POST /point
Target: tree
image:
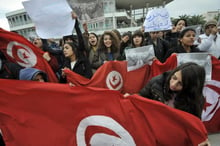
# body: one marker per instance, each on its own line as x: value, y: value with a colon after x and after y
x: 197, y: 19
x: 186, y: 17
x: 217, y: 17
x: 191, y: 20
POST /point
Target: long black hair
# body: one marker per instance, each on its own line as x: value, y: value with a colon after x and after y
x: 190, y: 98
x: 74, y: 47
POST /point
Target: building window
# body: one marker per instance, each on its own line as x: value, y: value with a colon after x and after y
x: 21, y: 20
x: 25, y: 18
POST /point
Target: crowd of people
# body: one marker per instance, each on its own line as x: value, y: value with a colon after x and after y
x: 85, y: 52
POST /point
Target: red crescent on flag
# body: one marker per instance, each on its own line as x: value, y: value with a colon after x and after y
x: 15, y: 53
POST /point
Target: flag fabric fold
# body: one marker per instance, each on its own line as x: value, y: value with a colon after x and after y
x: 47, y: 114
x: 135, y: 80
x: 211, y: 111
x: 113, y: 75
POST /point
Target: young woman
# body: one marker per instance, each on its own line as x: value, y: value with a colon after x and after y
x: 108, y: 46
x: 75, y: 61
x: 186, y: 43
x: 49, y: 54
x: 93, y: 52
x: 137, y: 40
x: 180, y: 88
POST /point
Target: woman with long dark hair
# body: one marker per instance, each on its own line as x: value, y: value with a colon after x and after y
x: 180, y: 88
x: 75, y: 61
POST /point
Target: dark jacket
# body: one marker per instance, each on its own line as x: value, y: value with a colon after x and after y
x: 10, y: 70
x: 180, y: 49
x: 172, y: 39
x: 160, y: 48
x: 155, y: 88
x: 2, y: 143
x: 81, y: 67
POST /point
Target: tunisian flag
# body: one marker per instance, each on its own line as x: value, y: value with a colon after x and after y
x: 211, y: 91
x: 113, y: 75
x: 48, y: 114
x: 135, y: 80
x: 19, y: 50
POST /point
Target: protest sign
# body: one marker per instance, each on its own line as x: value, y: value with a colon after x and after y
x: 157, y: 19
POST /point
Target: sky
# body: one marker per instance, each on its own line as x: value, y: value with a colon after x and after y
x: 175, y: 8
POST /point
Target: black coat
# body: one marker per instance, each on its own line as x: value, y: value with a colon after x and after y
x: 180, y: 49
x: 160, y: 49
x: 81, y: 67
x: 155, y: 88
x: 10, y: 70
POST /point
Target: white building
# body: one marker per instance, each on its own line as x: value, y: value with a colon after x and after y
x: 124, y: 15
x: 210, y: 15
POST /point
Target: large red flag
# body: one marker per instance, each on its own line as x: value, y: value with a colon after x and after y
x: 113, y: 75
x: 19, y: 50
x: 46, y: 114
x: 211, y: 112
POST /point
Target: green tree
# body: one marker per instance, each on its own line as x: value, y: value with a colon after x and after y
x: 186, y: 17
x: 217, y: 17
x: 191, y: 20
x: 197, y: 19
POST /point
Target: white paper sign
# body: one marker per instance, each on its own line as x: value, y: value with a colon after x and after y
x: 203, y: 59
x: 157, y: 19
x: 138, y: 57
x: 52, y: 18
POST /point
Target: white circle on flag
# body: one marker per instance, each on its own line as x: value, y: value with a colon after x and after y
x: 212, y: 98
x: 22, y: 54
x: 114, y: 80
x: 101, y: 138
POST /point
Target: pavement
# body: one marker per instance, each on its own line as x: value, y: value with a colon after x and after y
x: 214, y: 139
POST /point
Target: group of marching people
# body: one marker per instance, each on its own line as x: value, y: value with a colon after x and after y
x: 85, y: 52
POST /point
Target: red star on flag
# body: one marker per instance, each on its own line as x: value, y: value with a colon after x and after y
x: 114, y: 78
x: 25, y: 56
x: 206, y: 104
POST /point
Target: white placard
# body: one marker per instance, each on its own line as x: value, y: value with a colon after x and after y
x: 52, y: 18
x: 138, y: 57
x: 157, y: 19
x: 203, y: 59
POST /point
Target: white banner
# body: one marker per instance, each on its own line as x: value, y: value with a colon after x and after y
x: 157, y: 19
x: 52, y: 18
x: 203, y: 59
x: 138, y: 57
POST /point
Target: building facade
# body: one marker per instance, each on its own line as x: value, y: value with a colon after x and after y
x: 20, y: 22
x: 123, y: 15
x: 211, y: 15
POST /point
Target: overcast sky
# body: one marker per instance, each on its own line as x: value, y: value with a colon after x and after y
x: 175, y: 8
